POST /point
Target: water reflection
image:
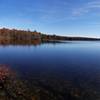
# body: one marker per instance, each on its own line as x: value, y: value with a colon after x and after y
x: 61, y: 72
x: 34, y: 42
x: 20, y: 42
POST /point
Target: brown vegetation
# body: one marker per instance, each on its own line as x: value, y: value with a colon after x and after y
x: 10, y: 36
x: 13, y: 36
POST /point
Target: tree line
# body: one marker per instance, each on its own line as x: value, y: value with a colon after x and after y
x: 22, y: 35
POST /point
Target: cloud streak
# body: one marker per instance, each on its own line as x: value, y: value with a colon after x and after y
x: 86, y: 8
x: 67, y: 10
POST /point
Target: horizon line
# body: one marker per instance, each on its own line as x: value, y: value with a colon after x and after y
x: 28, y: 29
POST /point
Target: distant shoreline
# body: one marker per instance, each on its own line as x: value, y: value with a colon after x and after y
x: 22, y: 35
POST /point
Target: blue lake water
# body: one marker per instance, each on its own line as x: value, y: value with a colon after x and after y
x: 75, y: 62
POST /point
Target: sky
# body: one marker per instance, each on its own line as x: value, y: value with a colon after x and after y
x: 61, y: 17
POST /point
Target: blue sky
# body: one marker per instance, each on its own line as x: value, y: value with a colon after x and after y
x: 62, y: 17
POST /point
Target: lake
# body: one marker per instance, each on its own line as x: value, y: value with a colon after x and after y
x: 57, y: 71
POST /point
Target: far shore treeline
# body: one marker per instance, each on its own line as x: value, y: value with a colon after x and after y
x: 8, y: 35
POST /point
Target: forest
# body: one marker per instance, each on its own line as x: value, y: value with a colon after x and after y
x: 9, y: 35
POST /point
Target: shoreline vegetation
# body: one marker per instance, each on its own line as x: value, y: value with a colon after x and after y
x: 14, y: 36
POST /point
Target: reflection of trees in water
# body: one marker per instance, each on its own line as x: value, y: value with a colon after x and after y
x: 20, y: 42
